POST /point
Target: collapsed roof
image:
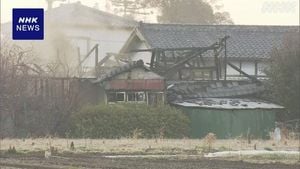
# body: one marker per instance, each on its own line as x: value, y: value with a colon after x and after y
x: 212, y: 89
x: 227, y: 103
x: 115, y: 71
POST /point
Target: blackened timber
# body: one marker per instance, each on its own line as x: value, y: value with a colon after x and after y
x: 164, y: 58
x: 200, y: 68
x: 90, y: 52
x: 173, y: 55
x: 195, y: 53
x: 175, y: 49
x: 158, y: 54
x: 198, y: 61
x: 225, y: 59
x: 182, y: 62
x: 96, y: 55
x: 256, y: 68
x: 253, y: 78
x: 108, y: 55
x: 152, y: 58
x: 202, y: 59
x: 216, y: 64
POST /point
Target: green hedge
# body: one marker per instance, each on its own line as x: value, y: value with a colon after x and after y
x: 127, y: 120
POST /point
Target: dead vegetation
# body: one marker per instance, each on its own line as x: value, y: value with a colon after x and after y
x: 140, y: 153
x: 142, y: 146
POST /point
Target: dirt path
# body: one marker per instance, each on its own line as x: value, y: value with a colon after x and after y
x: 99, y: 162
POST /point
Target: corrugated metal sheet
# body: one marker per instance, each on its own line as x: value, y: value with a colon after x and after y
x: 136, y: 85
x: 230, y: 123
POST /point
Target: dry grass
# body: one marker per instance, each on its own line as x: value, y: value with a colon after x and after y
x: 151, y: 146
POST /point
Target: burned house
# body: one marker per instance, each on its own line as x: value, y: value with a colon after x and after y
x: 131, y: 83
x: 247, y: 48
x: 214, y: 73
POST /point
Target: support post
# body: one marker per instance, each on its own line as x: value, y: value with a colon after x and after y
x: 152, y: 59
x: 216, y: 64
x: 225, y: 59
x: 256, y: 68
x: 96, y: 55
x: 164, y: 58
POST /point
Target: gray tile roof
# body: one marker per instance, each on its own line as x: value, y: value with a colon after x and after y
x: 244, y: 42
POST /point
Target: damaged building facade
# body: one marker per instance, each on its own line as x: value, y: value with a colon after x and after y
x: 245, y: 47
x: 213, y: 73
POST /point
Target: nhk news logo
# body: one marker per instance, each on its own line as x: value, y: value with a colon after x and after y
x: 28, y: 24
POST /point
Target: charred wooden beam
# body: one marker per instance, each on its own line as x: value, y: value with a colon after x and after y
x: 164, y: 58
x: 253, y: 78
x: 108, y: 55
x: 225, y: 59
x: 175, y: 67
x: 96, y: 55
x: 202, y: 60
x: 172, y: 49
x: 95, y: 48
x: 152, y: 59
x: 216, y: 64
x: 200, y: 68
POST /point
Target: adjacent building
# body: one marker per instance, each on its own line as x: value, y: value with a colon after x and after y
x: 74, y: 29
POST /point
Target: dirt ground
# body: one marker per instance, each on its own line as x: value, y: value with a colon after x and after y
x: 37, y: 161
x: 147, y: 154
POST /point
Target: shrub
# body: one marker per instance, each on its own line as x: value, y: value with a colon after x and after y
x: 122, y: 120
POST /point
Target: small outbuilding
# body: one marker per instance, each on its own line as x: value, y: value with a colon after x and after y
x: 230, y: 118
x: 227, y: 109
x: 132, y: 82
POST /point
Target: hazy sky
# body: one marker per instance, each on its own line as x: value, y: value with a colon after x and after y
x: 245, y: 12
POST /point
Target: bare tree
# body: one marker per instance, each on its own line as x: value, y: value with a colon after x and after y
x: 33, y: 101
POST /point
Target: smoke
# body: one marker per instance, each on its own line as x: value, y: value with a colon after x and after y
x: 56, y: 52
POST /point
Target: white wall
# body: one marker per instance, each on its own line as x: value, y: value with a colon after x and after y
x: 109, y: 39
x: 231, y: 71
x: 145, y: 56
x: 261, y: 67
x: 248, y: 67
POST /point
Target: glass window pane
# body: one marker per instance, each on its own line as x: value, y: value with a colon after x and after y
x: 120, y: 97
x: 131, y: 97
x: 140, y: 96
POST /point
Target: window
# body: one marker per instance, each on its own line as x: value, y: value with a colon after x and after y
x: 116, y: 97
x: 120, y: 97
x: 140, y: 96
x: 136, y: 97
x: 131, y: 97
